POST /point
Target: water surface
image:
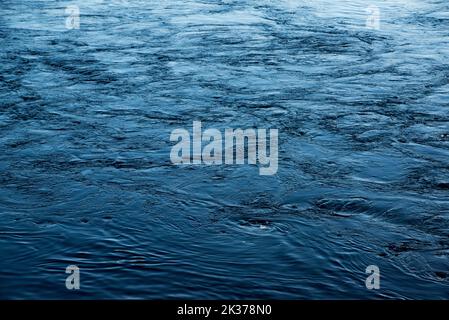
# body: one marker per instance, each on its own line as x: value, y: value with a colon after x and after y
x: 86, y: 177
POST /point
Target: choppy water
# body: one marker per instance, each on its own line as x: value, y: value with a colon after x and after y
x: 86, y: 177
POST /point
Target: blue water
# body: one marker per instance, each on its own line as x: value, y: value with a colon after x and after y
x: 85, y: 171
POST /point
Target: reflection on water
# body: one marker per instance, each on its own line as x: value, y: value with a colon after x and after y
x: 86, y: 177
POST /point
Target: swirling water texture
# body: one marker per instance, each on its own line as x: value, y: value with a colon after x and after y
x: 86, y: 178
